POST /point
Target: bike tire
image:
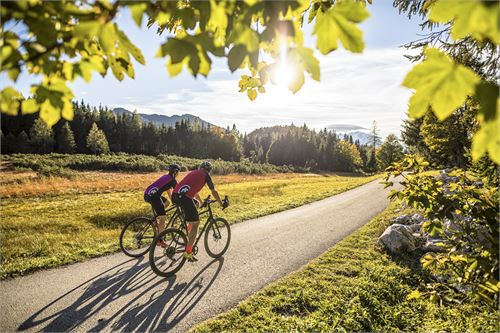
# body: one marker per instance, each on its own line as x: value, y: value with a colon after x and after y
x: 220, y: 231
x: 141, y: 226
x: 176, y: 242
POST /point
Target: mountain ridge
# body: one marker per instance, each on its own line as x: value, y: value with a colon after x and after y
x: 169, y: 121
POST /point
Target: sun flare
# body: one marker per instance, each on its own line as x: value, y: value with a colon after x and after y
x: 283, y: 73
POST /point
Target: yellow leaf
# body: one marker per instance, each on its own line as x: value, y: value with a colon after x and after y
x: 439, y: 83
x: 252, y: 94
x: 469, y: 18
x: 29, y: 106
x: 338, y: 23
x: 49, y: 114
x: 67, y: 111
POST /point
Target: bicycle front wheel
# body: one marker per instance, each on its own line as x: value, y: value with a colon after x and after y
x: 166, y: 260
x: 137, y: 236
x: 217, y: 237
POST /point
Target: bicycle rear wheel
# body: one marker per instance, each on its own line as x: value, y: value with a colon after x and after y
x: 166, y: 261
x: 137, y: 236
x: 217, y: 237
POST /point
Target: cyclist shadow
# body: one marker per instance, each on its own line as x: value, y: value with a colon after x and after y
x: 165, y: 308
x: 102, y: 290
x: 98, y: 292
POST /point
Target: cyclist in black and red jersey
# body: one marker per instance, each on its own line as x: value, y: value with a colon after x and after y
x: 153, y: 195
x: 186, y: 195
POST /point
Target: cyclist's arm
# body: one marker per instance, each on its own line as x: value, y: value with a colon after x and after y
x: 198, y: 198
x: 169, y: 192
x: 211, y: 186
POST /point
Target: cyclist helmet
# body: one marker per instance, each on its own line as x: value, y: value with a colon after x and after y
x: 174, y: 168
x: 206, y: 165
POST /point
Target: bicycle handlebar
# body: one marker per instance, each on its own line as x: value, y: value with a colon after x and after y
x: 208, y: 201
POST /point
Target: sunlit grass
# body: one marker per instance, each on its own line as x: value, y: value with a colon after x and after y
x: 353, y: 287
x: 42, y: 232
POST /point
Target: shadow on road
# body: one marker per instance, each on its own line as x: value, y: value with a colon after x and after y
x: 153, y: 306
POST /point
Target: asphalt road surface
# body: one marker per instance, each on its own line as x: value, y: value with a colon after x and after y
x: 117, y: 293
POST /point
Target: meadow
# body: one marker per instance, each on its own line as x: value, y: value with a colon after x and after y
x: 64, y: 222
x: 355, y: 286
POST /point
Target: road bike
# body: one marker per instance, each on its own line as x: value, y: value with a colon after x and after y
x: 216, y: 233
x: 138, y: 234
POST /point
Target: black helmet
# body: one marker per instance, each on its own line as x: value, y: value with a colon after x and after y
x: 206, y: 165
x: 174, y: 168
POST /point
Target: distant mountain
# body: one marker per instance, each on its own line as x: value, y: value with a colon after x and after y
x: 343, y: 128
x: 357, y: 132
x: 168, y: 121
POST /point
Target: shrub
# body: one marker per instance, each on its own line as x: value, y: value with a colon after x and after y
x: 463, y: 211
x: 137, y: 163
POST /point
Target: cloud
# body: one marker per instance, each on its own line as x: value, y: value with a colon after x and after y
x: 354, y: 89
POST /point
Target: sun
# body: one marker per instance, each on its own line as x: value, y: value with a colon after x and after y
x: 283, y: 73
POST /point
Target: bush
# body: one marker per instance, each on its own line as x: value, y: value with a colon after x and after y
x: 463, y: 211
x: 136, y: 163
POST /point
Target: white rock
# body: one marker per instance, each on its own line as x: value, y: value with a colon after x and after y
x: 397, y: 238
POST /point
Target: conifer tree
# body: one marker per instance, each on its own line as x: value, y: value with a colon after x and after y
x: 41, y: 138
x: 390, y: 151
x: 96, y: 141
x: 23, y: 144
x: 66, y: 140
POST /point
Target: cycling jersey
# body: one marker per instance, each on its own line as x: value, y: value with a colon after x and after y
x: 193, y: 182
x: 162, y: 184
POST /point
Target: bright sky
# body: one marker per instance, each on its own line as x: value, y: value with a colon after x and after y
x: 354, y: 89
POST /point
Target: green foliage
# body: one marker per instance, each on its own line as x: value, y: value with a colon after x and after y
x: 440, y: 83
x: 463, y: 211
x: 66, y: 140
x: 41, y: 137
x: 391, y: 151
x: 470, y: 18
x: 352, y: 287
x: 96, y: 141
x: 444, y: 143
x: 347, y: 157
x: 136, y: 163
x: 339, y: 23
x: 444, y: 83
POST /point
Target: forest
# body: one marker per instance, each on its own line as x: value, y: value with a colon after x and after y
x: 98, y: 130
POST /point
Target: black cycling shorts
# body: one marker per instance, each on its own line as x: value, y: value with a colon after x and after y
x: 157, y: 202
x: 187, y: 206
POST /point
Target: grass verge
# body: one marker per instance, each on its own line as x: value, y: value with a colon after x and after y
x: 43, y: 232
x: 354, y: 286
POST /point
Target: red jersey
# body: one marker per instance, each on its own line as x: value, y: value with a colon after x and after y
x: 193, y: 182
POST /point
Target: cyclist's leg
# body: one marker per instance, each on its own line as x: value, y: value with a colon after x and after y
x: 159, y: 209
x: 192, y: 220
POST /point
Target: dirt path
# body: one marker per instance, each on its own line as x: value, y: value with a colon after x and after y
x: 116, y: 293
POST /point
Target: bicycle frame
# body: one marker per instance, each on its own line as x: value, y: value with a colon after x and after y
x: 170, y: 223
x: 200, y: 233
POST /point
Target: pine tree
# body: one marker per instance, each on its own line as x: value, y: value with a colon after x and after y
x: 23, y: 144
x: 41, y: 138
x: 390, y: 151
x: 66, y: 140
x: 374, y: 131
x: 96, y: 141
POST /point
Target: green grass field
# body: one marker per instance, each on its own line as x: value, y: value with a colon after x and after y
x: 43, y: 232
x: 355, y: 287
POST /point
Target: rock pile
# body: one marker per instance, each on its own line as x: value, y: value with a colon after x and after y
x: 405, y: 234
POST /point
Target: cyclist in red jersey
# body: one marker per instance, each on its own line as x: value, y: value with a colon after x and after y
x: 186, y: 195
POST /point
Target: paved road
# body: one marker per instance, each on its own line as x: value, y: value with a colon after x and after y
x: 116, y: 293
